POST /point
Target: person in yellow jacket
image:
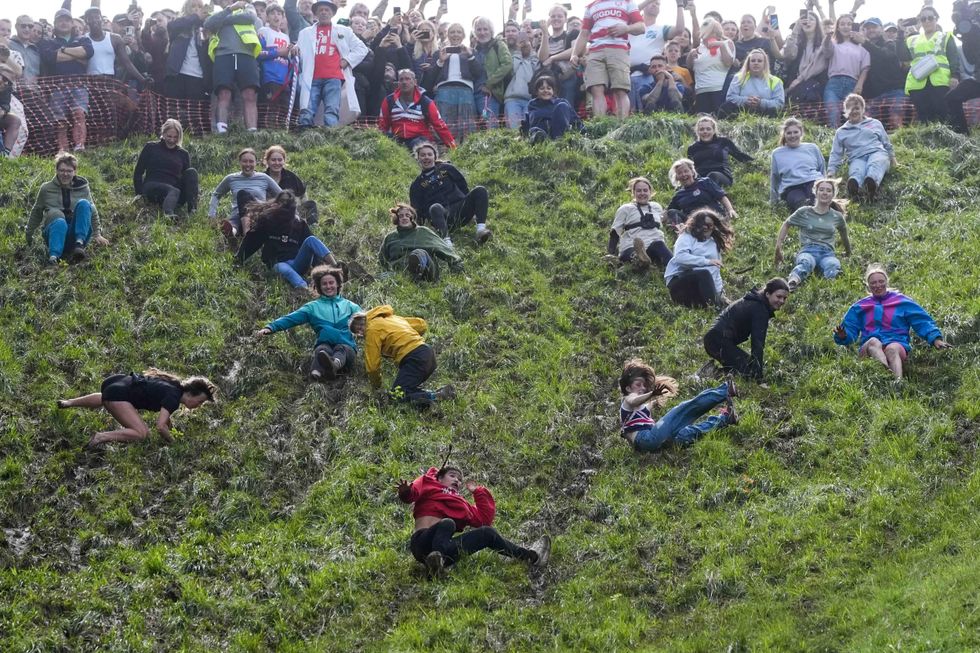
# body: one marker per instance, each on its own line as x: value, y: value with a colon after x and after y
x: 400, y: 339
x: 234, y: 49
x: 934, y: 69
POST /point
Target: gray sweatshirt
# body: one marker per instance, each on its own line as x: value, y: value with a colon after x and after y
x: 524, y: 70
x: 858, y: 140
x: 791, y: 166
x: 223, y: 24
x: 259, y: 185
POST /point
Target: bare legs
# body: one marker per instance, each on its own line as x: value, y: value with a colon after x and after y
x: 891, y: 356
x: 599, y: 106
x: 125, y: 413
x: 250, y: 108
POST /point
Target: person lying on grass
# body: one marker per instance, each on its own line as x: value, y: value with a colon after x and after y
x: 124, y: 395
x: 400, y: 339
x: 329, y: 317
x: 415, y: 248
x: 642, y: 390
x: 441, y: 512
x: 637, y: 230
x: 818, y: 225
x: 882, y: 321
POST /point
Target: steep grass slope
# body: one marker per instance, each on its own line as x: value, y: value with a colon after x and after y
x: 841, y: 514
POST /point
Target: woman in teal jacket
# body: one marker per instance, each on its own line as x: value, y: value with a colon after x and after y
x: 329, y: 316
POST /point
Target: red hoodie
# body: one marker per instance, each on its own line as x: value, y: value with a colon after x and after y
x: 433, y: 499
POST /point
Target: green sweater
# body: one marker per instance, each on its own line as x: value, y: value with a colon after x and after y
x: 49, y: 205
x: 499, y: 64
x: 399, y: 243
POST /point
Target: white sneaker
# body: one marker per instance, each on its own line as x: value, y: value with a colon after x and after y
x: 448, y: 241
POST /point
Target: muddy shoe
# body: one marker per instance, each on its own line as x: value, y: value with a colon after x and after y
x: 434, y: 564
x: 543, y: 548
x: 324, y: 360
x: 729, y: 413
x: 78, y: 253
x: 640, y: 257
x: 445, y: 393
x: 730, y: 383
x: 707, y: 371
x: 853, y: 189
x: 483, y: 236
x: 871, y: 188
x: 793, y: 282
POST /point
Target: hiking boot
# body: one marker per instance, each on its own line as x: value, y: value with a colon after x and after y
x: 853, y: 189
x: 445, y: 393
x: 729, y: 413
x: 707, y: 371
x: 871, y: 188
x: 78, y: 253
x: 543, y: 548
x: 53, y: 261
x: 483, y: 236
x: 324, y: 360
x: 434, y: 564
x: 793, y: 282
x: 417, y: 265
x: 640, y: 256
x: 730, y: 383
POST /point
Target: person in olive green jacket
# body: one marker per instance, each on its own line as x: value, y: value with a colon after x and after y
x: 66, y: 213
x: 416, y: 248
x: 498, y: 64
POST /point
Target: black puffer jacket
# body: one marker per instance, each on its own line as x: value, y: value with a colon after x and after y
x: 748, y: 317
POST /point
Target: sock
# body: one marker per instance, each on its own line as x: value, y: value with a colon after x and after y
x: 222, y: 127
x: 481, y: 227
x: 253, y: 129
x: 448, y: 241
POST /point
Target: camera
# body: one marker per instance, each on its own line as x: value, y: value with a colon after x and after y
x: 648, y: 221
x: 965, y: 18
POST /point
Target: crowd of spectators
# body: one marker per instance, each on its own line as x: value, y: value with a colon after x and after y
x: 302, y: 58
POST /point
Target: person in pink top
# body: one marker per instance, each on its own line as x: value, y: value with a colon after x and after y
x: 441, y: 511
x: 606, y: 29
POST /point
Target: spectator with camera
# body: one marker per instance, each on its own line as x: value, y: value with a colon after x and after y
x: 517, y: 97
x: 805, y: 67
x: 934, y: 67
x: 155, y: 41
x: 966, y: 22
x: 390, y: 56
x: 454, y: 79
x: 710, y: 63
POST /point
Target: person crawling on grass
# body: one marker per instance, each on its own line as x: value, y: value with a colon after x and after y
x: 637, y: 230
x: 329, y: 316
x: 288, y: 246
x: 66, y: 213
x: 882, y: 322
x: 415, y: 248
x: 441, y: 196
x: 441, y: 512
x: 747, y: 318
x: 818, y: 225
x: 400, y: 339
x: 245, y: 187
x: 124, y: 395
x: 643, y: 390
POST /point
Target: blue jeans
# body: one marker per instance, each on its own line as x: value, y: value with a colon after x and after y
x: 310, y: 251
x: 487, y: 107
x: 56, y: 233
x: 874, y: 166
x: 640, y: 83
x: 514, y: 110
x: 837, y: 88
x: 569, y: 90
x: 328, y: 92
x: 818, y: 257
x: 678, y: 424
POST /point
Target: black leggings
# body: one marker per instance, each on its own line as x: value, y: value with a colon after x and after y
x: 475, y: 204
x: 341, y: 352
x: 170, y: 197
x: 732, y: 357
x: 930, y: 103
x: 965, y: 90
x: 693, y: 288
x: 799, y: 195
x: 658, y: 252
x: 413, y: 371
x: 720, y: 178
x: 440, y: 537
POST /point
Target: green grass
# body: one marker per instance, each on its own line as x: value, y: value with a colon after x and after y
x: 840, y: 515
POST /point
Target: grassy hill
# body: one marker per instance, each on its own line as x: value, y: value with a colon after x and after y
x: 839, y: 515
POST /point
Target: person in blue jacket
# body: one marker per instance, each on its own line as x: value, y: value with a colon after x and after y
x: 548, y: 116
x: 881, y: 323
x: 328, y: 315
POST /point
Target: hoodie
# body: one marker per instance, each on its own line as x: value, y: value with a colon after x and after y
x: 399, y: 244
x: 887, y: 318
x: 52, y: 200
x: 748, y: 317
x: 328, y: 316
x: 390, y: 336
x: 433, y: 499
x: 857, y: 141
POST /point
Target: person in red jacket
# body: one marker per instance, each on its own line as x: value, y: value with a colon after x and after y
x: 409, y: 115
x: 440, y: 512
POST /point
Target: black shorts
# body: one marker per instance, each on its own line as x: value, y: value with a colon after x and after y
x: 235, y: 71
x: 117, y: 387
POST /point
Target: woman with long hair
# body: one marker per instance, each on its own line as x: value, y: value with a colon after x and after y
x: 711, y: 151
x: 806, y: 69
x: 124, y: 395
x: 693, y: 274
x: 425, y: 51
x: 848, y: 63
x: 794, y: 166
x: 275, y: 160
x: 819, y: 225
x: 754, y: 88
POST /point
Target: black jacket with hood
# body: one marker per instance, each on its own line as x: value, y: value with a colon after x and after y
x: 748, y: 317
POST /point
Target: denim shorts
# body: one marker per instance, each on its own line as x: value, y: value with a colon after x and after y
x: 66, y: 100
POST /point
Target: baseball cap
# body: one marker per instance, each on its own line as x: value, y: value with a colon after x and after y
x: 873, y: 21
x: 62, y: 13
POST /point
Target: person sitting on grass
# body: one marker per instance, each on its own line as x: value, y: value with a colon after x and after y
x: 694, y: 192
x: 865, y: 144
x: 637, y: 230
x: 163, y: 173
x: 710, y: 152
x: 123, y: 395
x: 818, y: 225
x: 400, y: 339
x: 288, y: 246
x: 643, y: 390
x: 245, y: 187
x: 794, y: 166
x: 748, y: 317
x: 329, y: 316
x: 274, y: 159
x: 66, y: 214
x: 881, y: 323
x: 693, y: 274
x: 754, y: 89
x: 441, y: 195
x: 414, y: 248
x: 548, y: 116
x: 440, y: 512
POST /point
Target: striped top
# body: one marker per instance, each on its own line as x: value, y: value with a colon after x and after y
x: 601, y: 15
x: 635, y: 419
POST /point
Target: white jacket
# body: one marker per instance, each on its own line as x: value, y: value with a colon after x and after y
x: 351, y: 49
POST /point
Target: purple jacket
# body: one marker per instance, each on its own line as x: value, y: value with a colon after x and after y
x: 888, y: 319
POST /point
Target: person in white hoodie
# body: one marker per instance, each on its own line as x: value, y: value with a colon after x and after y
x: 328, y: 54
x: 693, y: 274
x: 865, y: 144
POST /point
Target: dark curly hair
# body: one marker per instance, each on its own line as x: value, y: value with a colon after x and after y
x: 721, y: 232
x: 664, y: 387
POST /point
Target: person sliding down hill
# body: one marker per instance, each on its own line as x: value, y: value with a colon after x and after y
x: 414, y: 248
x: 440, y: 512
x: 637, y: 230
x: 400, y: 339
x: 328, y: 316
x: 441, y: 195
x: 123, y: 395
x: 642, y: 389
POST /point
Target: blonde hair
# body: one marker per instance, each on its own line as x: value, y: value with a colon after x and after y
x: 673, y: 171
x: 711, y: 27
x: 420, y: 48
x: 875, y: 268
x: 173, y: 123
x: 706, y: 118
x: 789, y: 122
x: 66, y: 157
x: 854, y: 98
x: 272, y: 149
x: 744, y: 73
x: 631, y: 184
